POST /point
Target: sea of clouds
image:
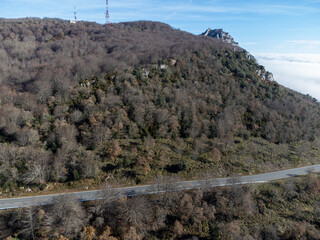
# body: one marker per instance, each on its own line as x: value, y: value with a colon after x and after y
x: 300, y: 72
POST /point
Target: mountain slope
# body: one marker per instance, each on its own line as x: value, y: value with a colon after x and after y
x: 132, y: 100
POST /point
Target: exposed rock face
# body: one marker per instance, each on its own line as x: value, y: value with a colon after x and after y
x: 226, y: 37
x: 265, y: 75
x: 220, y: 34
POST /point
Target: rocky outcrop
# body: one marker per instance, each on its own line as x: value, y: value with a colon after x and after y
x: 220, y: 34
x: 226, y: 37
x: 265, y: 75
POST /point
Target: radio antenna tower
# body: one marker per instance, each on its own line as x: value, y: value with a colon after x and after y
x: 107, y: 13
x: 75, y: 14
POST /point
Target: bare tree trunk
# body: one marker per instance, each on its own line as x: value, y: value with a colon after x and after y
x: 26, y: 221
x: 31, y: 221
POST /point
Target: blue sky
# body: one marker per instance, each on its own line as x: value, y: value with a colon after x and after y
x: 272, y: 30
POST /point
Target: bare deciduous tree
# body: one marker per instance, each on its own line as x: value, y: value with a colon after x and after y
x: 167, y: 188
x: 165, y: 184
x: 135, y: 212
x: 37, y: 169
x: 65, y: 216
x: 312, y: 183
x: 26, y: 221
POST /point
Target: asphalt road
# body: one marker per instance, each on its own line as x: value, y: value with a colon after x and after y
x: 157, y: 188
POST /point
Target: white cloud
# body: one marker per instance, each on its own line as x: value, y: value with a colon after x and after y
x: 304, y: 42
x: 298, y: 46
x: 300, y: 72
x: 238, y: 9
x: 248, y: 43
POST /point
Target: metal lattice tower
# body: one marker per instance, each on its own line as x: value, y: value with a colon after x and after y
x: 107, y: 13
x: 75, y: 14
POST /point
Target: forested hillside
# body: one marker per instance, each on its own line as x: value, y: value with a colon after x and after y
x: 133, y: 100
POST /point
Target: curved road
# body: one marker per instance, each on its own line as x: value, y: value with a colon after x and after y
x: 157, y: 188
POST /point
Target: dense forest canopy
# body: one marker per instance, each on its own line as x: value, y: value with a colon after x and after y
x: 80, y: 99
x: 33, y: 48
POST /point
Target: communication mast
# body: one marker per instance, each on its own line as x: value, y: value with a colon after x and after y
x: 75, y: 14
x: 107, y: 13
